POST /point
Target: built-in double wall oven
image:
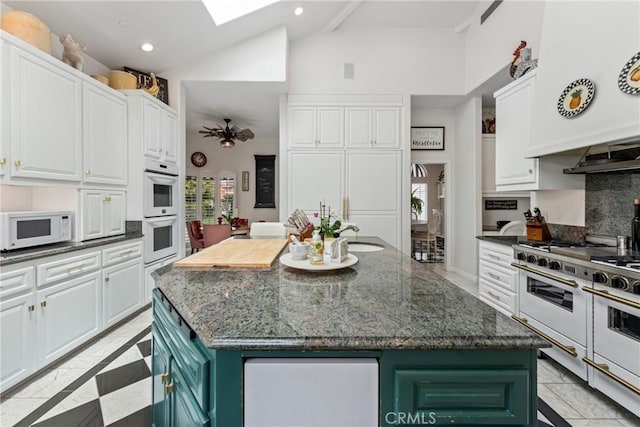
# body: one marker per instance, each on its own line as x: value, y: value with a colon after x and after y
x: 160, y: 201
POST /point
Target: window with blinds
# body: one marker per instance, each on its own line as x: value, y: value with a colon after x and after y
x: 190, y: 198
x: 420, y: 191
x: 208, y: 200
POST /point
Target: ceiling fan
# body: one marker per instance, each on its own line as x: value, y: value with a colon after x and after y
x: 228, y: 135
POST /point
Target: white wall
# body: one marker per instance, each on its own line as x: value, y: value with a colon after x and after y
x: 466, y: 187
x: 237, y: 159
x: 14, y: 198
x: 391, y: 61
x: 489, y: 47
x: 565, y: 207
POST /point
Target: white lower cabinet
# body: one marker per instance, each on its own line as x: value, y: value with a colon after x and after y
x: 149, y: 282
x: 68, y: 315
x: 50, y: 306
x: 17, y: 346
x: 121, y: 290
x: 497, y: 284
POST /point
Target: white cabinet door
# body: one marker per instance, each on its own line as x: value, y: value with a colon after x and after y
x: 153, y: 129
x: 122, y: 290
x: 103, y: 213
x: 92, y: 202
x: 358, y: 127
x: 115, y: 213
x: 373, y: 181
x: 5, y: 105
x: 17, y: 339
x: 105, y: 136
x: 46, y: 119
x: 386, y: 131
x: 68, y: 315
x: 513, y: 112
x: 171, y: 137
x: 377, y: 127
x: 316, y: 127
x: 314, y: 177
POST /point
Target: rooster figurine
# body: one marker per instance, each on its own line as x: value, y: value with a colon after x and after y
x: 154, y: 89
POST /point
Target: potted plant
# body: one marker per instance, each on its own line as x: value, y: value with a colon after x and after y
x: 416, y: 204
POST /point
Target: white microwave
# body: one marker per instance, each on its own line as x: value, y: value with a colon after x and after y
x: 26, y: 229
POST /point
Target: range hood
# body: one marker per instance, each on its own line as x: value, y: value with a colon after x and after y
x: 621, y: 160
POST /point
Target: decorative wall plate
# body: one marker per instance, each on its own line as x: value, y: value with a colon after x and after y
x: 629, y: 78
x: 576, y: 98
x: 198, y: 159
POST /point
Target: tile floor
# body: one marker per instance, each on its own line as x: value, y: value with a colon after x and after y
x: 109, y: 384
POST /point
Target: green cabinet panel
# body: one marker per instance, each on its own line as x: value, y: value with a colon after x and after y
x: 459, y: 396
x: 190, y: 354
x: 184, y: 408
x: 160, y: 375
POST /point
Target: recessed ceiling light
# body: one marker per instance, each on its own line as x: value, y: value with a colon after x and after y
x: 147, y: 47
x: 298, y: 11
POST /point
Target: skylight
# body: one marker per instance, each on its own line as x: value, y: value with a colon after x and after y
x: 223, y: 11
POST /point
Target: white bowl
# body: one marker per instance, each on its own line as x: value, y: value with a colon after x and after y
x: 299, y: 251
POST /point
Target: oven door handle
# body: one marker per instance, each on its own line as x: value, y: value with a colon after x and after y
x: 604, y: 368
x: 567, y: 348
x: 607, y: 295
x: 567, y: 282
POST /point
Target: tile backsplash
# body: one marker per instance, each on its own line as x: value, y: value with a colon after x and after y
x: 609, y: 202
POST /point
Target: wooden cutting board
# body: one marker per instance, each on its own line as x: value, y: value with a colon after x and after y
x: 248, y: 253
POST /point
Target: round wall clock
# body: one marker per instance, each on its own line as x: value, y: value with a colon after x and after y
x: 576, y: 98
x: 198, y: 159
x: 629, y: 78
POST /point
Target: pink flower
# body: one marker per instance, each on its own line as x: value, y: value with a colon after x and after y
x: 316, y: 215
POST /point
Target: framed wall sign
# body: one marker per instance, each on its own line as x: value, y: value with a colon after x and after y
x: 265, y: 181
x: 427, y: 138
x: 144, y: 81
x: 245, y: 180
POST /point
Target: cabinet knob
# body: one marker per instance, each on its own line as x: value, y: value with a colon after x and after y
x: 530, y: 171
x: 17, y: 163
x: 43, y: 304
x: 3, y: 160
x: 106, y: 279
x: 108, y: 198
x: 31, y: 307
x: 168, y: 388
x: 164, y: 377
x: 87, y: 172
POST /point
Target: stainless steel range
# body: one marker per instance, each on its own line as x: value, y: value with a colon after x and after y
x: 585, y: 299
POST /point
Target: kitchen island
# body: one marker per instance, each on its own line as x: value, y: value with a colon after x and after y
x: 444, y: 357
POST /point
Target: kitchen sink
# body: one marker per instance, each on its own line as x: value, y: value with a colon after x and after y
x: 364, y: 247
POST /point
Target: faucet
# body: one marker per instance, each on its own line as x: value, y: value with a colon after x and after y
x: 348, y: 227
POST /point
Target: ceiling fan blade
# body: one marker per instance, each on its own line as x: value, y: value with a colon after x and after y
x: 246, y: 133
x: 204, y: 131
x: 208, y: 136
x: 235, y: 129
x: 209, y: 129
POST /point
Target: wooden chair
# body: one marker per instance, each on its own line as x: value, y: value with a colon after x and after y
x: 196, y: 239
x: 215, y: 233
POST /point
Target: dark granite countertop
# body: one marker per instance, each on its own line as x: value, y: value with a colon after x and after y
x: 504, y: 240
x: 386, y: 301
x: 28, y: 254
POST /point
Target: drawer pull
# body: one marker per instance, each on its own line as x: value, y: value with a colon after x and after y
x: 168, y: 388
x: 164, y: 377
x: 605, y: 370
x: 497, y: 258
x: 567, y: 282
x: 567, y: 348
x: 494, y: 296
x: 125, y: 253
x: 607, y: 295
x: 78, y: 266
x: 495, y: 276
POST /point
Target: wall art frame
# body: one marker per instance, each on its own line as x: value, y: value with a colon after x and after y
x: 427, y: 138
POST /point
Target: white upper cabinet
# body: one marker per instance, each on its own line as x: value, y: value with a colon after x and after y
x: 377, y: 127
x: 592, y: 40
x: 5, y: 103
x: 515, y: 172
x: 315, y: 176
x: 105, y: 135
x: 513, y: 112
x: 153, y: 126
x: 103, y: 213
x: 45, y: 117
x: 316, y: 127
